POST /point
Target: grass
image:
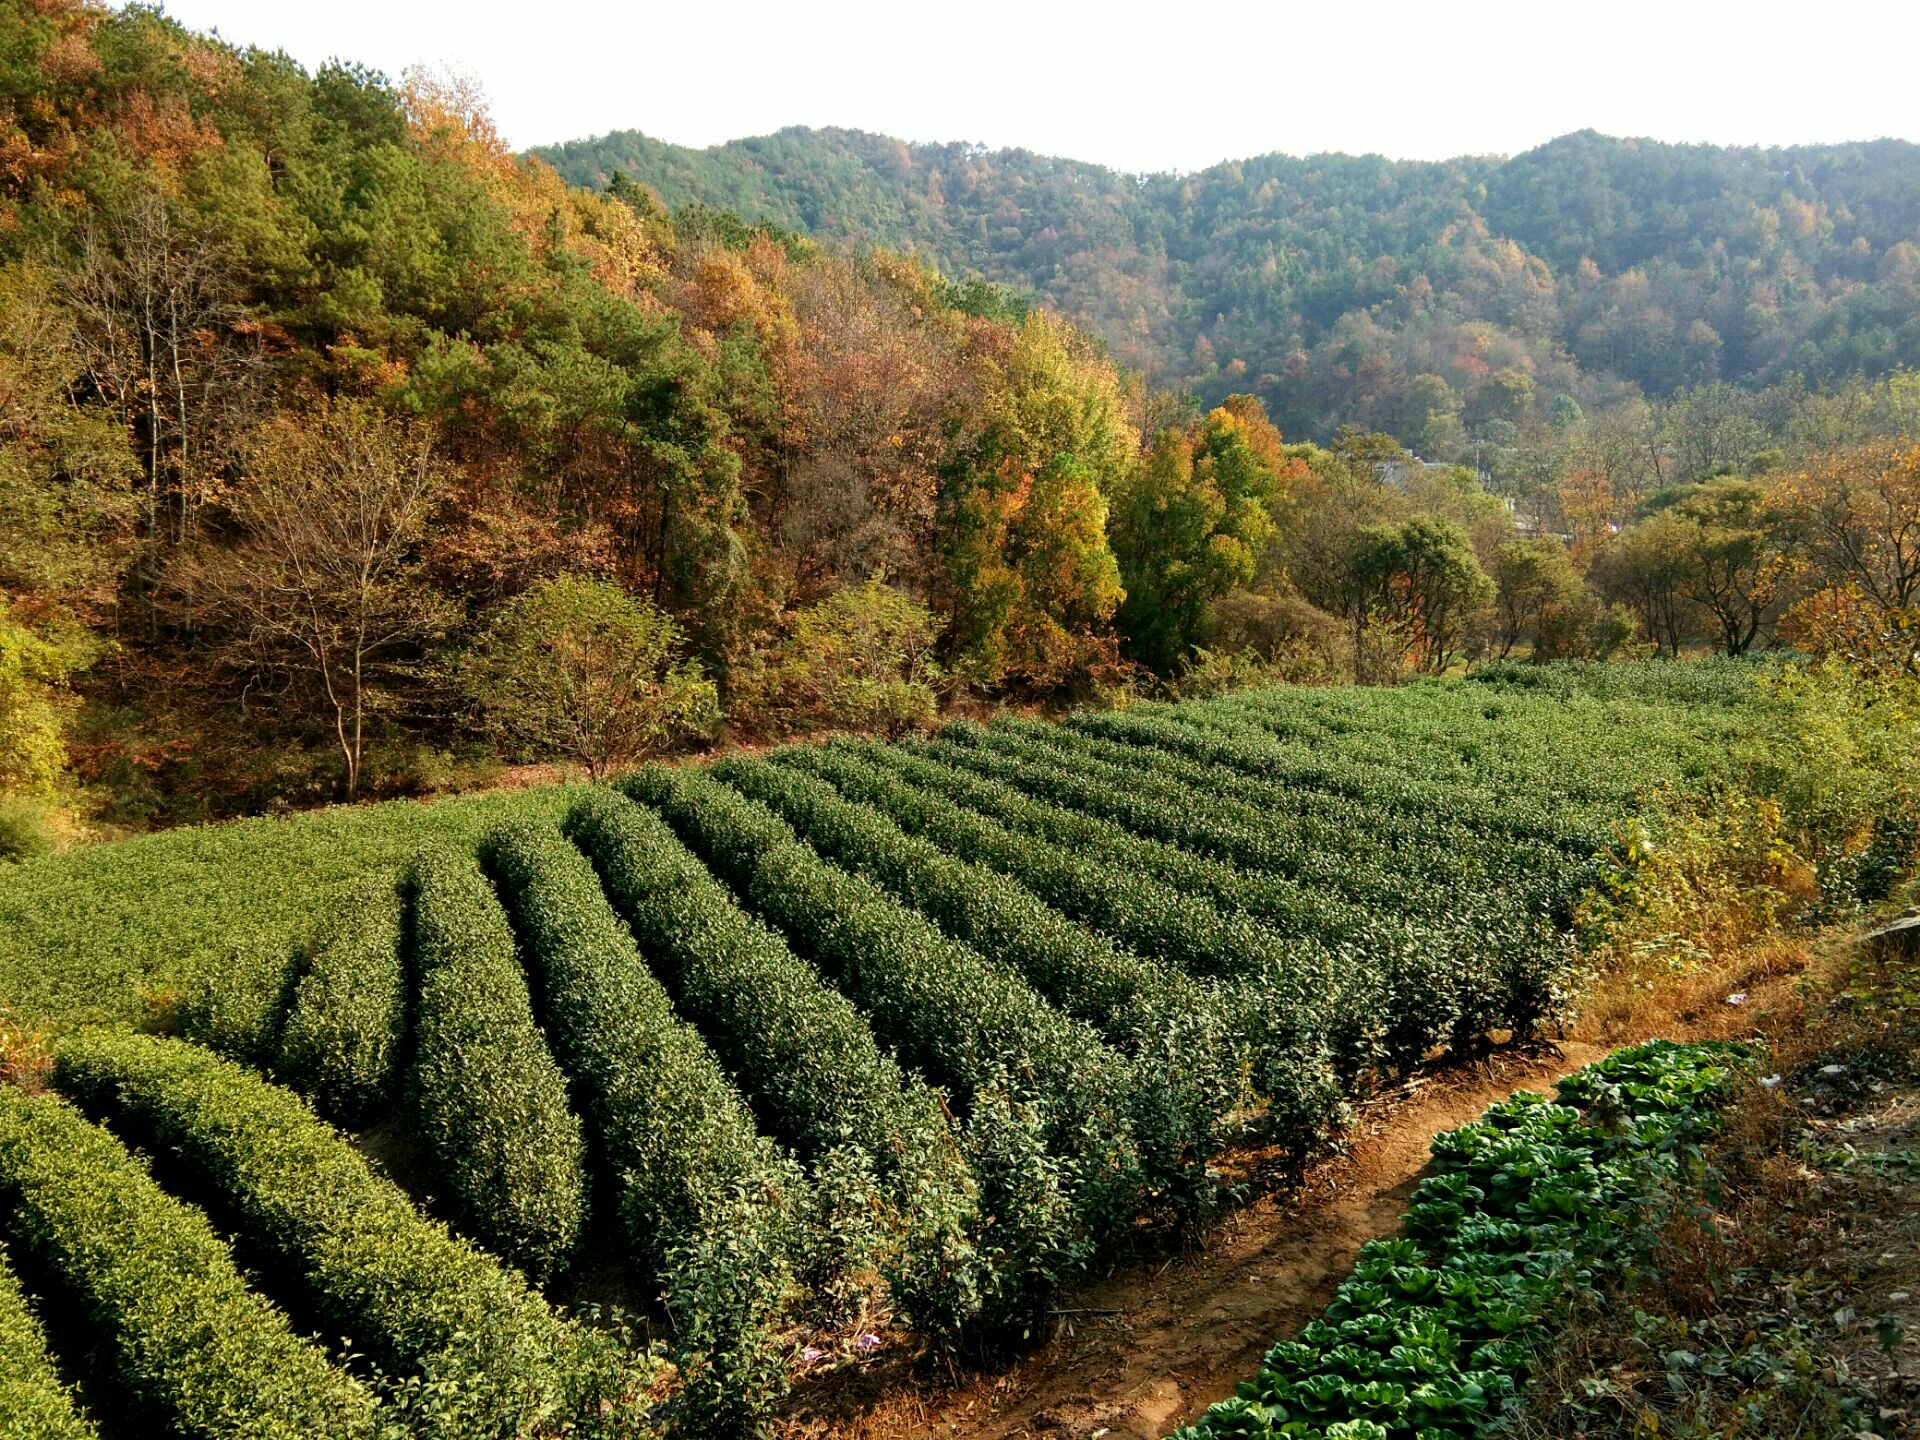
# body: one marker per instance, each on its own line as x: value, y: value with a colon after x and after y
x: 117, y: 931
x: 1775, y: 1298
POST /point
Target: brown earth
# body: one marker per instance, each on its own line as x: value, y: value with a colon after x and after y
x: 1146, y: 1349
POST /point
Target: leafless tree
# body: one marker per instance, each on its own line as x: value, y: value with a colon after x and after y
x: 167, y: 341
x: 321, y: 584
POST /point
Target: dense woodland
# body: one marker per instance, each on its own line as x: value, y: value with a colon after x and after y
x: 345, y: 452
x: 1440, y: 302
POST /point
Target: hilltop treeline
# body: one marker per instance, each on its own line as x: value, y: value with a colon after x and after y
x: 1430, y: 299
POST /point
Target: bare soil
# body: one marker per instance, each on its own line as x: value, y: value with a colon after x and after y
x: 1147, y: 1348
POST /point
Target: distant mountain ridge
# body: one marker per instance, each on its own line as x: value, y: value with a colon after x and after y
x: 1354, y: 288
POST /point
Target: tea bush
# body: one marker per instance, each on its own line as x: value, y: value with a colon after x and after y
x: 159, y: 1288
x: 37, y: 1404
x: 807, y: 1059
x: 702, y: 1198
x: 422, y: 1305
x: 490, y: 1104
x: 342, y: 1037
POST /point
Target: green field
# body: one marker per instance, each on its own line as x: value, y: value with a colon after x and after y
x: 801, y: 1054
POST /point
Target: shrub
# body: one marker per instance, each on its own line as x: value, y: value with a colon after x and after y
x: 343, y: 1033
x: 578, y: 668
x: 422, y: 1305
x: 858, y: 660
x: 36, y: 1403
x: 701, y: 1195
x: 1434, y: 895
x: 239, y: 998
x: 490, y: 1103
x: 801, y: 1051
x: 26, y: 832
x: 187, y: 1336
x: 1270, y: 991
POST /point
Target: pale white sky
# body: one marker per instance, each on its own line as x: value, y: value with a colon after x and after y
x: 1172, y: 85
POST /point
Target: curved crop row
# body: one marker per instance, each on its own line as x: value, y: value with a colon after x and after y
x: 1593, y: 750
x: 1164, y: 1019
x: 422, y: 1305
x: 1279, y: 989
x: 490, y: 1103
x: 1434, y: 1332
x: 1362, y: 851
x: 1491, y: 960
x: 1344, y: 860
x: 702, y: 1197
x: 187, y: 1336
x: 953, y: 1014
x: 1397, y: 986
x: 1550, y: 876
x: 35, y: 1403
x: 342, y: 1037
x: 806, y: 1058
x: 949, y: 1012
x: 1032, y: 738
x: 238, y: 1001
x: 1220, y: 738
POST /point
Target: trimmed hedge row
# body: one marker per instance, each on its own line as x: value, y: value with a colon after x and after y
x: 1399, y: 986
x: 186, y: 1334
x: 1170, y: 1024
x: 806, y: 1058
x: 1218, y: 736
x: 1548, y: 879
x: 429, y: 1310
x: 949, y: 1011
x: 34, y: 1402
x: 1485, y: 959
x: 1427, y: 866
x: 1434, y: 1332
x: 1022, y: 1065
x: 238, y: 1000
x: 489, y: 1101
x: 343, y: 1034
x: 707, y: 1203
x: 1279, y: 991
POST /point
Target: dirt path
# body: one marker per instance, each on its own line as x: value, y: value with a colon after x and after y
x: 1137, y: 1354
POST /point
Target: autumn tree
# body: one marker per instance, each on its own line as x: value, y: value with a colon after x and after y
x: 321, y: 590
x: 1422, y: 580
x: 1031, y: 581
x: 1192, y: 521
x: 1854, y: 518
x: 1855, y: 515
x: 577, y: 668
x: 1645, y: 568
x: 861, y: 659
x: 1540, y: 597
x: 1734, y: 566
x: 165, y: 341
x: 66, y: 473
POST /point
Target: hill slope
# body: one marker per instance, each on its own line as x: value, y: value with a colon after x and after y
x: 1354, y: 288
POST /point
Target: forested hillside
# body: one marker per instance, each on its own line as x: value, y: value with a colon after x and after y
x: 321, y: 413
x: 1423, y: 299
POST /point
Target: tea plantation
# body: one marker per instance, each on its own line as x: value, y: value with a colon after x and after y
x: 802, y: 1055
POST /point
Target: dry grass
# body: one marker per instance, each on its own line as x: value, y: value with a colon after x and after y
x: 1774, y: 1298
